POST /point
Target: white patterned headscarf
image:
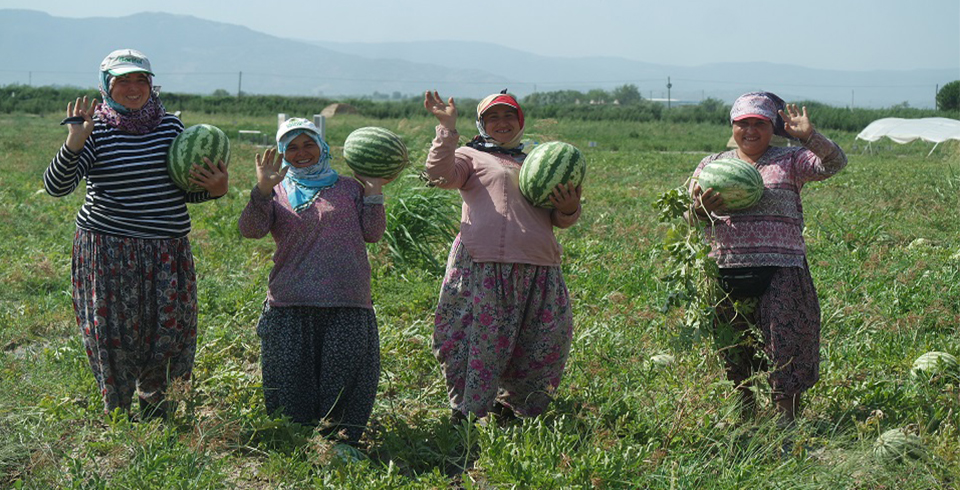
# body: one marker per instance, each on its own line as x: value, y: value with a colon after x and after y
x: 303, y: 184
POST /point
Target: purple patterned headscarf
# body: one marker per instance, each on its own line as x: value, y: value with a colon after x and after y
x: 140, y: 121
x: 763, y: 105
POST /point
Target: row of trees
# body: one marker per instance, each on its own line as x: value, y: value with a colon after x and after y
x: 621, y: 104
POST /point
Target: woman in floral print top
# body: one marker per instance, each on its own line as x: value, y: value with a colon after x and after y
x: 761, y: 252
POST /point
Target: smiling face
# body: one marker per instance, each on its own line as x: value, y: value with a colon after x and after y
x: 302, y: 151
x: 131, y: 91
x: 752, y: 135
x: 502, y: 123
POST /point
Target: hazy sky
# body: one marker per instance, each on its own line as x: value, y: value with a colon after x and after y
x: 830, y: 34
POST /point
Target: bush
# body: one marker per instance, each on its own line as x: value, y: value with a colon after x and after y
x: 421, y: 224
x: 948, y: 98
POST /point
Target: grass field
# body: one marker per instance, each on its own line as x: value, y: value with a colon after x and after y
x: 884, y: 246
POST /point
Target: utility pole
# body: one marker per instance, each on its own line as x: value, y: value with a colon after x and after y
x: 669, y: 86
x: 239, y: 84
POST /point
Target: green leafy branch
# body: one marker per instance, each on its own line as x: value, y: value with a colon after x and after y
x: 691, y: 274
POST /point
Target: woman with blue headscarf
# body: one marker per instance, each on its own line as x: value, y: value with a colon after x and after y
x: 320, y: 349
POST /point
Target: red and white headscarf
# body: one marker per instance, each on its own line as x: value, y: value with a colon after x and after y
x: 503, y: 98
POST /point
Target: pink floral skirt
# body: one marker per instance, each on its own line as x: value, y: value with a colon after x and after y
x: 502, y: 333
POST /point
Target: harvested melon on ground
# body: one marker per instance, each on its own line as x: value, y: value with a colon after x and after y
x: 933, y: 364
x: 896, y: 444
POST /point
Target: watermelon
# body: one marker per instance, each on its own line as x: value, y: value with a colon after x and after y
x: 548, y: 165
x: 739, y: 183
x: 894, y: 444
x: 663, y: 360
x: 375, y: 152
x: 934, y: 364
x: 189, y: 147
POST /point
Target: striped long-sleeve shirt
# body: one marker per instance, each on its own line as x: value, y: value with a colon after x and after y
x: 129, y: 192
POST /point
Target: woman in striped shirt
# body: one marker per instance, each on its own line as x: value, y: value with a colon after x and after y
x: 134, y: 283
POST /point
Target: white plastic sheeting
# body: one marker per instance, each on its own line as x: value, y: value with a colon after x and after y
x: 933, y: 129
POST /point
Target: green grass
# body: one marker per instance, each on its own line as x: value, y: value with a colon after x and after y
x: 883, y: 246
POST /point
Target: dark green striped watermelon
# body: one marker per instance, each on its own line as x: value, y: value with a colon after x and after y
x: 375, y: 152
x: 548, y: 165
x: 739, y: 183
x: 189, y: 147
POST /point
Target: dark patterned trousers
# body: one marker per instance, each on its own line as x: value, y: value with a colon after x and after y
x: 321, y: 365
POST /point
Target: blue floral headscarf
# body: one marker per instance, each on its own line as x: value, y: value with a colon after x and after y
x: 303, y: 184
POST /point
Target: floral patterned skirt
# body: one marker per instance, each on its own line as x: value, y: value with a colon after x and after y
x: 787, y: 322
x: 502, y: 332
x: 136, y: 306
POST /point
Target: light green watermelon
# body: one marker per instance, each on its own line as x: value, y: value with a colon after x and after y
x: 896, y: 444
x: 548, y: 165
x: 189, y: 147
x: 934, y: 364
x: 739, y: 183
x: 663, y: 360
x: 375, y: 152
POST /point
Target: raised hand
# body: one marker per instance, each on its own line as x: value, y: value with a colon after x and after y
x: 270, y: 170
x: 445, y: 112
x: 213, y: 178
x: 566, y: 198
x: 797, y: 123
x: 78, y: 133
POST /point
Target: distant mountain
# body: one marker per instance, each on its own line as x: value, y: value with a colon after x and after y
x: 193, y: 55
x: 724, y: 81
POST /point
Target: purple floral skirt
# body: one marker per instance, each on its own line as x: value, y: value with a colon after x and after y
x: 136, y: 306
x: 502, y: 333
x: 787, y: 318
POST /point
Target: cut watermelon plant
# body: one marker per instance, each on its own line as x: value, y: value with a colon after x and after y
x: 375, y: 152
x: 739, y: 183
x: 548, y: 165
x: 189, y: 147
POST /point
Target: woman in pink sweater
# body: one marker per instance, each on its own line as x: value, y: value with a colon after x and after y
x: 320, y: 349
x: 761, y: 252
x: 503, y: 323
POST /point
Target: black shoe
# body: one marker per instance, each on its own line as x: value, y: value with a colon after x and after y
x: 153, y: 410
x: 504, y: 414
x: 457, y: 418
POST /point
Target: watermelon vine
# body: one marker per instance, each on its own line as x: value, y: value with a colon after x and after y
x: 691, y: 274
x: 691, y: 280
